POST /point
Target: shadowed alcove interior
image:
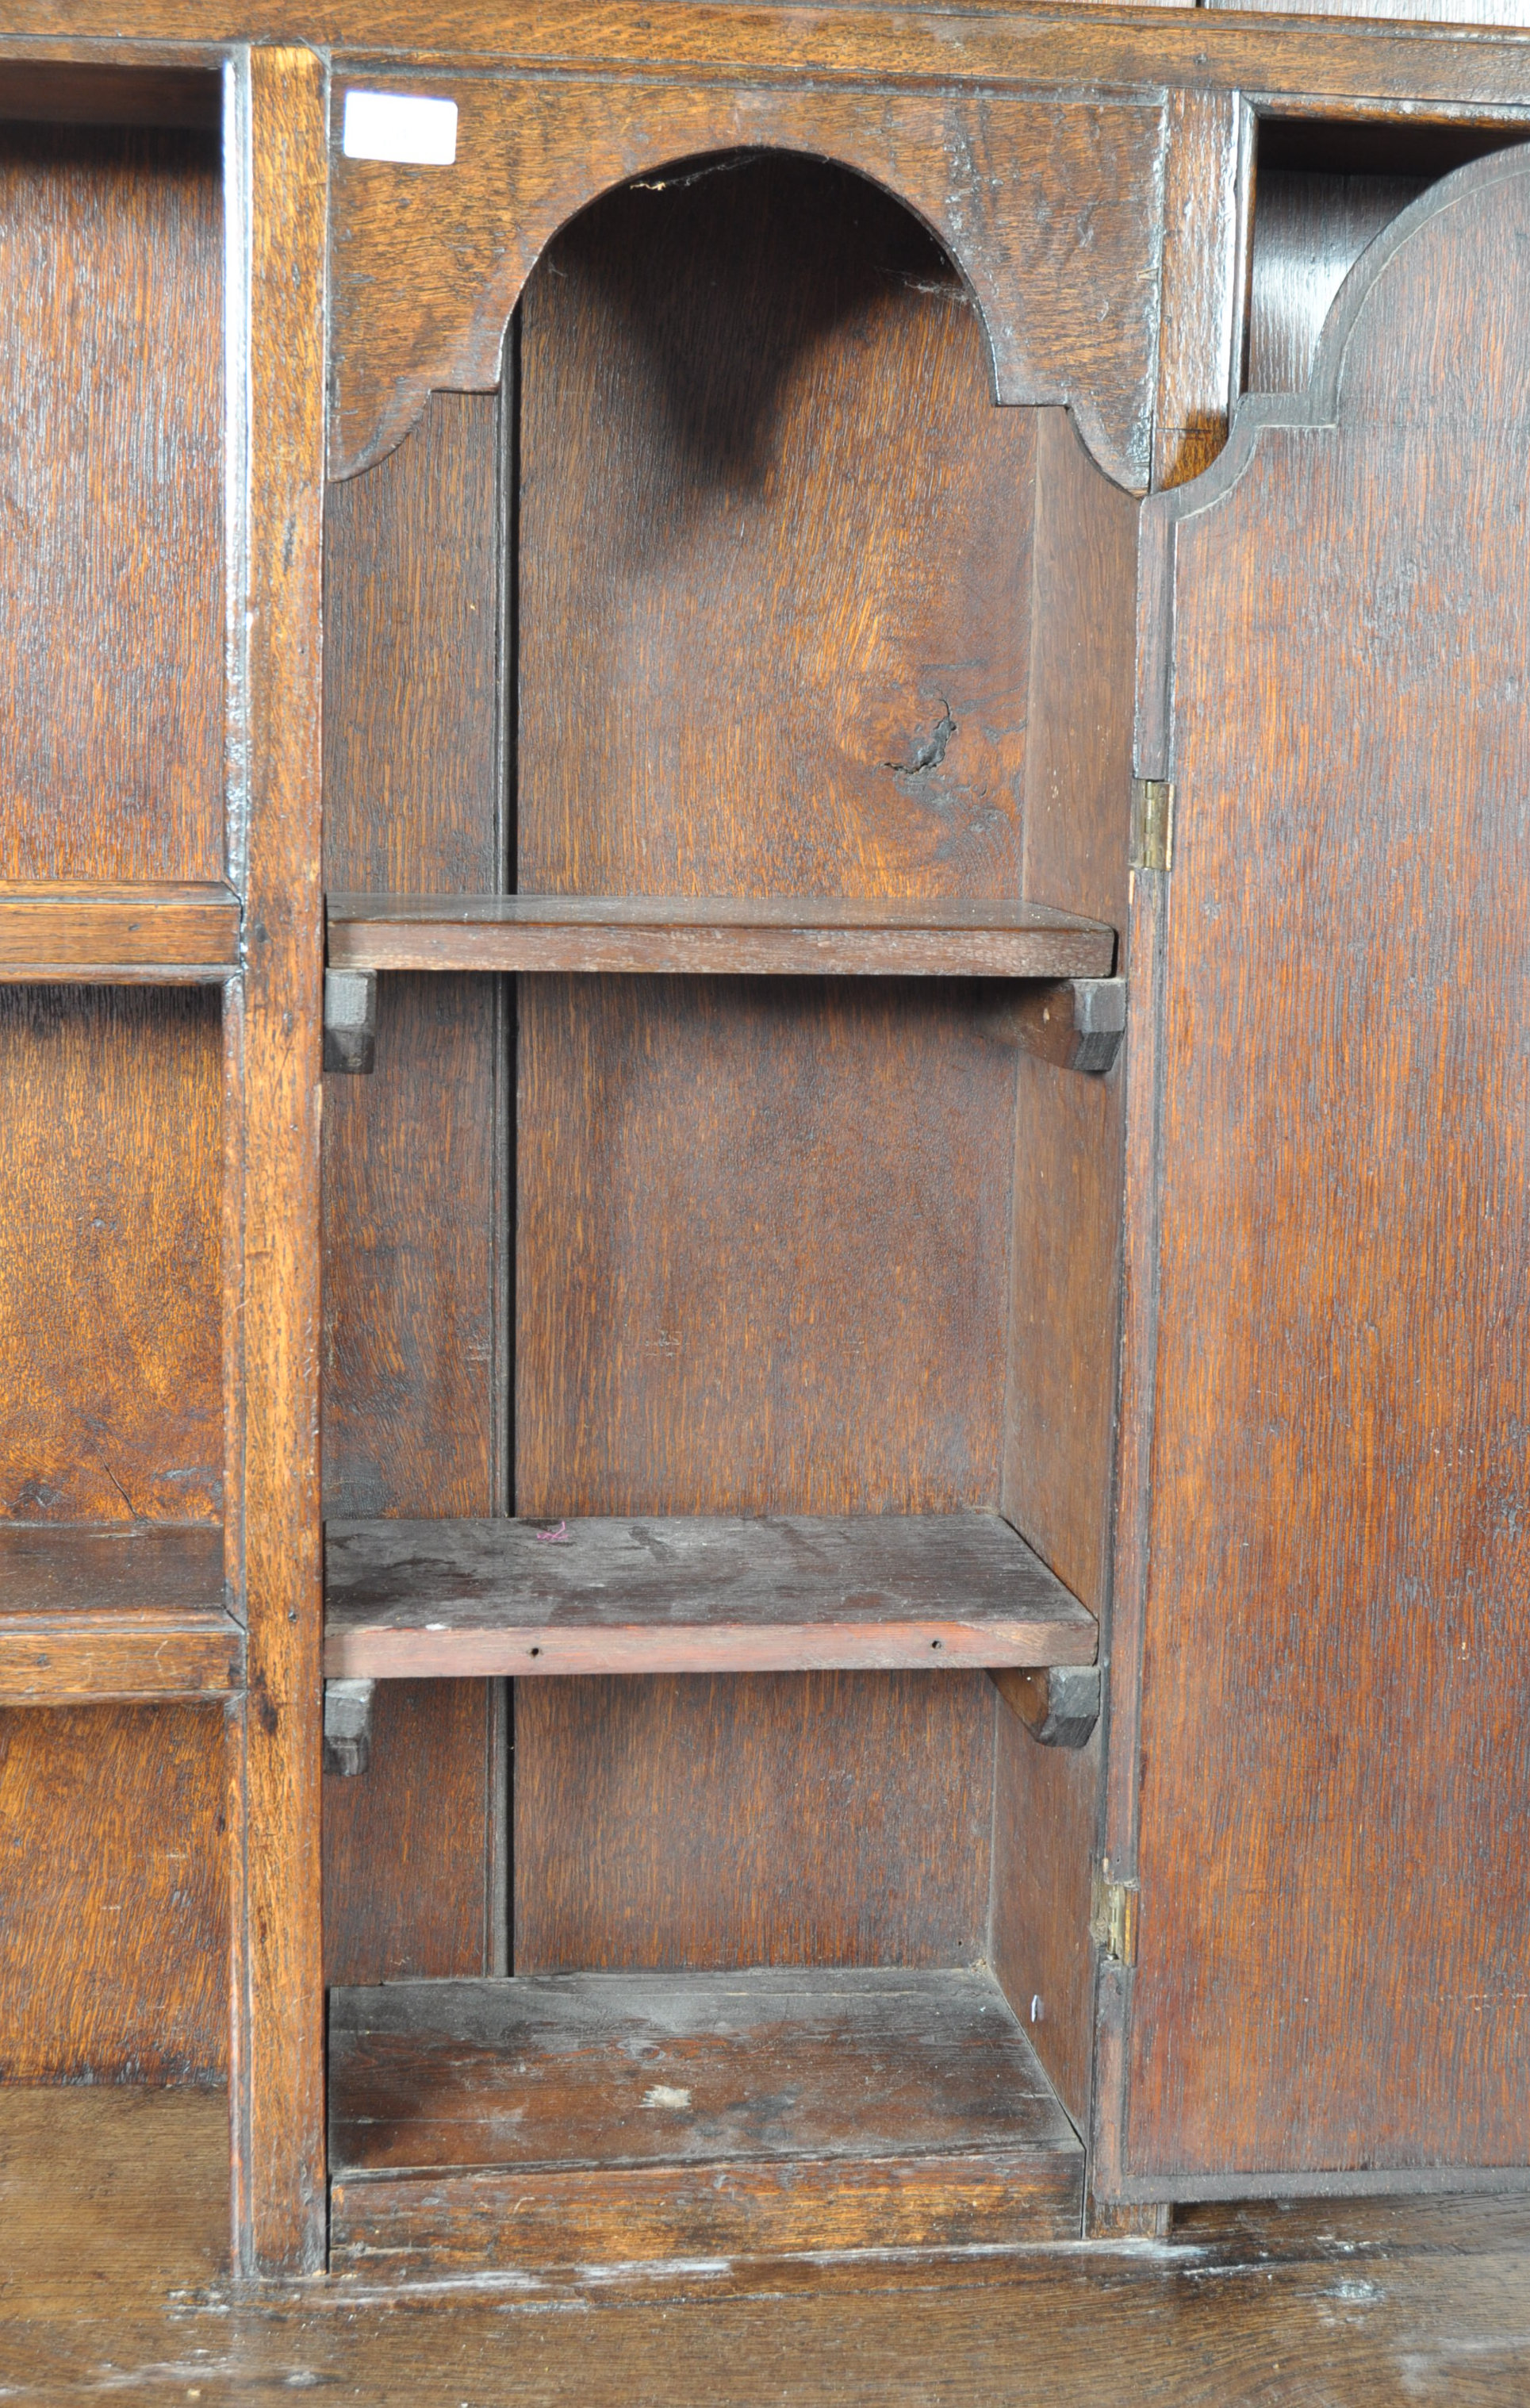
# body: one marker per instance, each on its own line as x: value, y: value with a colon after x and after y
x: 741, y: 586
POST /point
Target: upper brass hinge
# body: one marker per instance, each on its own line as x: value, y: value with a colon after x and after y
x: 1152, y: 824
x: 1112, y: 1915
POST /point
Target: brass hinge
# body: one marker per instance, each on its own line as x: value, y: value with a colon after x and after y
x: 1152, y: 824
x: 1112, y: 1915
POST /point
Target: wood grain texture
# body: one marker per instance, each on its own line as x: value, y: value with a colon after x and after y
x: 113, y: 1896
x: 111, y: 1403
x: 129, y: 935
x: 415, y: 1220
x: 668, y: 935
x: 112, y: 2205
x: 1331, y: 1900
x: 411, y: 631
x: 684, y: 1338
x: 875, y: 45
x: 613, y: 2117
x: 1200, y: 340
x: 781, y: 1593
x: 709, y: 371
x: 277, y: 155
x: 111, y: 459
x: 410, y: 1345
x: 407, y: 1863
x: 831, y: 1819
x: 428, y: 266
x: 1308, y: 231
x: 1065, y: 1258
x: 131, y: 1611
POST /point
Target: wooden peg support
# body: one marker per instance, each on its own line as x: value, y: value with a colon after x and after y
x: 1075, y: 1023
x: 348, y: 1725
x: 1059, y: 1705
x: 351, y: 1020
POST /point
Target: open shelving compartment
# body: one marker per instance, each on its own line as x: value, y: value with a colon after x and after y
x: 761, y: 887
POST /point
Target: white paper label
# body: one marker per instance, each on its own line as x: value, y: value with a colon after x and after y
x: 400, y: 126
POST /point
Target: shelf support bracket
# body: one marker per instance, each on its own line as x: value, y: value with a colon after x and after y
x: 1058, y: 1705
x: 1075, y: 1023
x: 348, y: 1725
x: 351, y: 1020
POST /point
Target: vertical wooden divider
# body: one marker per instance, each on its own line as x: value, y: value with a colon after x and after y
x: 276, y: 214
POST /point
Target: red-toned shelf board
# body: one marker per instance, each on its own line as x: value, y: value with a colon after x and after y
x: 786, y: 935
x: 781, y: 1593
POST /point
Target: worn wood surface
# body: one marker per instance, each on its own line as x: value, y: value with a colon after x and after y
x: 410, y: 1875
x: 1331, y: 1900
x: 111, y: 459
x: 1066, y: 1257
x: 411, y: 634
x: 409, y: 1324
x: 825, y: 1336
x: 134, y: 1609
x: 416, y: 1219
x: 584, y: 2118
x: 428, y: 266
x: 111, y: 1404
x: 1065, y: 46
x: 662, y: 936
x: 277, y: 155
x: 780, y: 1593
x: 112, y: 2202
x: 709, y: 369
x: 129, y: 935
x: 113, y: 1897
x: 1206, y: 229
x: 752, y: 1819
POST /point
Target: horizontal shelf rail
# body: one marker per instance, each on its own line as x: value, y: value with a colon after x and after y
x: 100, y: 935
x: 784, y: 936
x: 90, y: 1615
x: 778, y: 1594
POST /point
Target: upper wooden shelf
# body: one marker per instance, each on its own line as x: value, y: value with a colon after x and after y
x: 136, y: 936
x: 124, y: 1610
x: 780, y: 1594
x: 789, y: 936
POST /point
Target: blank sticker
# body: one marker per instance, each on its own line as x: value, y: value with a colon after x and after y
x: 400, y: 126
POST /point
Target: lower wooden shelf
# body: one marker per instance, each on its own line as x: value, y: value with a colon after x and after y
x: 121, y: 1611
x: 586, y: 2120
x: 780, y: 1593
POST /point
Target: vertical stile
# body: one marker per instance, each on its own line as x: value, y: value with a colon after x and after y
x: 275, y: 179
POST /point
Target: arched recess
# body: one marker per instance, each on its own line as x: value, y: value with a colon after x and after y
x: 1054, y: 212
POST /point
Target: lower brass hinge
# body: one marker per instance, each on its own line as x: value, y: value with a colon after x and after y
x: 1152, y: 824
x: 1112, y: 1915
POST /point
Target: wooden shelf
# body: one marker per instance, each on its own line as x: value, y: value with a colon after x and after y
x: 136, y: 935
x: 883, y: 1592
x: 576, y: 2119
x: 127, y: 1612
x: 794, y: 937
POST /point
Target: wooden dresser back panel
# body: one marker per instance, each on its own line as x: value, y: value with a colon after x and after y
x: 113, y: 1895
x: 774, y: 551
x: 1334, y: 1795
x: 415, y: 1209
x: 113, y: 1913
x: 773, y: 616
x: 111, y: 439
x: 111, y: 1405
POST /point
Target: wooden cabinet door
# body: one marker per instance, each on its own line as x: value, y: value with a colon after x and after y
x: 1320, y: 1778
